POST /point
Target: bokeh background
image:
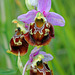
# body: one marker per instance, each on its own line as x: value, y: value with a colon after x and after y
x: 62, y: 47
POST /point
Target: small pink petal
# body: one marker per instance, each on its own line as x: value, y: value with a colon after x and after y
x: 47, y: 57
x: 34, y: 52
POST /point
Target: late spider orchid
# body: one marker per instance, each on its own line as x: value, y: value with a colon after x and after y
x: 38, y: 63
x: 41, y: 23
x: 18, y: 43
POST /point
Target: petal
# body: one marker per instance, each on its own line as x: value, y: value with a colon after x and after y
x: 34, y: 52
x: 55, y: 19
x: 47, y: 57
x: 42, y: 52
x: 44, y: 5
x: 28, y: 17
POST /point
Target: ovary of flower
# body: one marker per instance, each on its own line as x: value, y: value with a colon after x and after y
x: 19, y: 63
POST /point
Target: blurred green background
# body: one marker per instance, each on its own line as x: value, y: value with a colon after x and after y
x: 62, y: 47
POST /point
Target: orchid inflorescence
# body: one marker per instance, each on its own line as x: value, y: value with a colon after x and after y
x: 35, y: 28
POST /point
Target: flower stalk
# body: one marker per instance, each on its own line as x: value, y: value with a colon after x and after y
x: 19, y: 63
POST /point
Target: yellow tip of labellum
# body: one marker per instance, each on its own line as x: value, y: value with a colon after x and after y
x: 39, y: 46
x: 8, y: 51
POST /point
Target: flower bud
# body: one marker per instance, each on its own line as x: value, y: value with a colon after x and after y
x: 31, y: 4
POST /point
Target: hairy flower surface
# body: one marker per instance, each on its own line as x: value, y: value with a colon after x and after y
x: 41, y: 23
x: 38, y: 63
x: 39, y: 36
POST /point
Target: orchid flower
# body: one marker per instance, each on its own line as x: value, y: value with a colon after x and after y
x: 41, y: 23
x: 37, y: 63
x: 18, y: 43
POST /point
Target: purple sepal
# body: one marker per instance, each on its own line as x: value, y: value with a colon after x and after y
x: 44, y: 5
x: 47, y: 57
x: 34, y: 52
x: 28, y: 17
x: 55, y: 19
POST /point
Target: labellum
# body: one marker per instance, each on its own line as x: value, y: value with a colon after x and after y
x: 39, y: 34
x: 40, y: 69
x: 18, y: 43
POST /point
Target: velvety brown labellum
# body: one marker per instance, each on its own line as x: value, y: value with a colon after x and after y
x: 39, y: 36
x: 43, y: 71
x: 18, y: 44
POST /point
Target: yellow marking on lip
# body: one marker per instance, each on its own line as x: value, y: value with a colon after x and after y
x: 47, y: 30
x: 41, y: 33
x: 18, y: 43
x: 47, y: 25
x: 31, y: 32
x: 45, y: 34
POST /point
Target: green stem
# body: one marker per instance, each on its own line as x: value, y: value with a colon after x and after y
x: 19, y: 63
